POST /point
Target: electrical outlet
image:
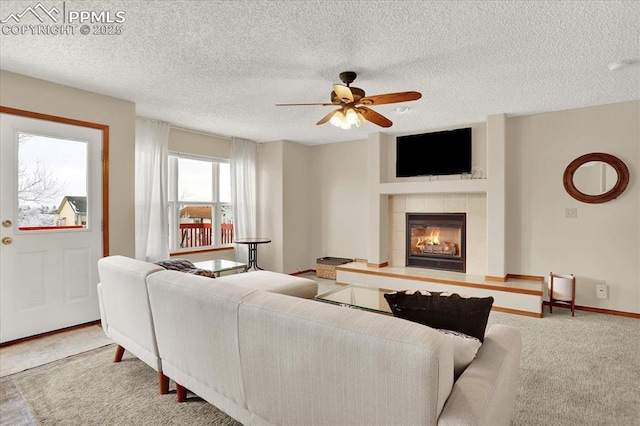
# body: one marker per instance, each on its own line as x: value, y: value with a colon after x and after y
x: 571, y: 213
x: 602, y: 292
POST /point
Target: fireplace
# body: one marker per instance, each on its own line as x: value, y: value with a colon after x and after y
x: 437, y: 241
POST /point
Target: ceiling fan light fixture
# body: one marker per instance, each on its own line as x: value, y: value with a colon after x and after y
x: 337, y: 119
x: 352, y: 116
x: 361, y: 120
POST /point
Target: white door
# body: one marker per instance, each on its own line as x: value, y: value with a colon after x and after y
x: 51, y: 225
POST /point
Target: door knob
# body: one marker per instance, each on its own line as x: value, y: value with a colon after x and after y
x: 7, y: 240
x: 6, y: 223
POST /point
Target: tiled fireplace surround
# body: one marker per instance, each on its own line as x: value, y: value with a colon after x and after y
x: 473, y: 204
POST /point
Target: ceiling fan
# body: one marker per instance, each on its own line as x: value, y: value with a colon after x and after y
x: 354, y: 104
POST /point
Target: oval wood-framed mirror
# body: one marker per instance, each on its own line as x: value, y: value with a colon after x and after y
x: 617, y: 182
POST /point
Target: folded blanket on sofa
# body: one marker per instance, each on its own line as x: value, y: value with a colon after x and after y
x: 183, y: 265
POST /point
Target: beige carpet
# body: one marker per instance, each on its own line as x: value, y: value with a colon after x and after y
x: 33, y: 353
x: 92, y: 390
x: 581, y: 370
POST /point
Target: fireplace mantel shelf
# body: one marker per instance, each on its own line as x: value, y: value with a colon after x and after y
x: 434, y: 186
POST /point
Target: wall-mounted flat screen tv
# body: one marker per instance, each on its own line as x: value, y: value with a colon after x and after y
x: 430, y: 154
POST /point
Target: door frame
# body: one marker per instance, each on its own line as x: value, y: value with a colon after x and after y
x: 105, y: 159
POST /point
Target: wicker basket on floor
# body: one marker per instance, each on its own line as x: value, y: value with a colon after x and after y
x: 326, y: 266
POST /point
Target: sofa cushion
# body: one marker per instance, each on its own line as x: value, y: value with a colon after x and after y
x: 184, y: 265
x: 465, y: 349
x: 449, y: 311
x: 273, y: 282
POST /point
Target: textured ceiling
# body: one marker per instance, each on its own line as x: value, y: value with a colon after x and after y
x: 221, y: 67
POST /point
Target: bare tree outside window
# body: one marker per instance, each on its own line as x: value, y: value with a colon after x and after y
x: 38, y: 184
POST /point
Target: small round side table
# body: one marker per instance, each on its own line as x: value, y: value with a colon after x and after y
x: 252, y: 265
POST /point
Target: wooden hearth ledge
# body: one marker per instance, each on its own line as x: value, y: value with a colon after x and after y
x: 522, y: 296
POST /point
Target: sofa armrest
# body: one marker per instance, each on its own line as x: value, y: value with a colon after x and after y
x: 485, y: 394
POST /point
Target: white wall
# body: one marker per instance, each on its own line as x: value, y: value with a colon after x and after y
x: 284, y: 206
x: 340, y: 200
x: 297, y: 207
x: 270, y: 205
x: 602, y: 243
x: 194, y: 142
x: 26, y: 93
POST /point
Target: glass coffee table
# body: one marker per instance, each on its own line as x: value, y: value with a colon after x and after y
x: 359, y: 297
x: 221, y: 265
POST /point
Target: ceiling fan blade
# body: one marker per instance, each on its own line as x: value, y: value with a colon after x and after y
x: 327, y: 117
x: 314, y: 104
x: 374, y: 117
x: 390, y: 98
x: 343, y: 93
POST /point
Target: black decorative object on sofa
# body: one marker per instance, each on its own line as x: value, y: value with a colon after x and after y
x: 449, y: 311
x: 184, y: 265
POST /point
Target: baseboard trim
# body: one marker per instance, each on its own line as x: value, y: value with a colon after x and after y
x: 495, y: 278
x: 525, y: 277
x: 514, y: 277
x: 600, y: 310
x: 517, y: 312
x: 49, y: 333
x: 308, y: 271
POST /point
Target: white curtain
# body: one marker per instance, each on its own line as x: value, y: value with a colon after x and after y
x: 151, y: 211
x: 243, y: 192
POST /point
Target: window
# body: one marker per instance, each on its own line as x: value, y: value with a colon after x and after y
x: 200, y: 211
x: 51, y: 183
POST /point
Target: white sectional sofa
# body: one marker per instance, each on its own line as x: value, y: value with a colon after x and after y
x: 273, y: 359
x: 125, y: 312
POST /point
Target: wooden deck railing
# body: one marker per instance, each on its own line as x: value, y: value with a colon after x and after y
x: 199, y: 234
x: 226, y: 229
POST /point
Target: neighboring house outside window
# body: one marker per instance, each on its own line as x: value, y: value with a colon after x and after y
x: 200, y: 211
x: 71, y: 212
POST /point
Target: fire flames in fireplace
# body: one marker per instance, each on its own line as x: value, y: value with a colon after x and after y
x: 427, y: 241
x: 431, y: 239
x: 436, y: 241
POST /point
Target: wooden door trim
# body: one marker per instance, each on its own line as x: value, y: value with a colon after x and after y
x: 105, y: 159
